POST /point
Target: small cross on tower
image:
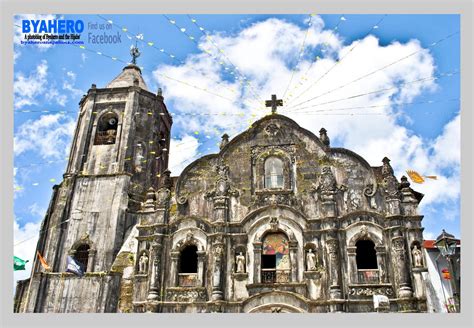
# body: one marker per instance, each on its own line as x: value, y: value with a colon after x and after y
x: 135, y: 53
x: 274, y: 103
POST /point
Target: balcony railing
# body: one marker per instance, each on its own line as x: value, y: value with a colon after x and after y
x: 187, y: 279
x: 368, y: 276
x: 270, y: 276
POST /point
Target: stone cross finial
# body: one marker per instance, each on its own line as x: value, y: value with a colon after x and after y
x: 274, y: 103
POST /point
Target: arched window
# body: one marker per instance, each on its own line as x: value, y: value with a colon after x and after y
x: 366, y: 259
x: 273, y: 173
x: 366, y: 256
x: 275, y: 258
x: 188, y: 260
x: 106, y: 129
x: 188, y: 266
x: 82, y: 256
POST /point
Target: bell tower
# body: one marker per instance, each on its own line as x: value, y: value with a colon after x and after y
x: 119, y: 150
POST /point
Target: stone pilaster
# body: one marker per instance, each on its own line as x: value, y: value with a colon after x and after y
x: 257, y: 259
x: 332, y: 246
x: 174, y: 268
x: 217, y: 293
x: 293, y: 245
x: 400, y: 267
x: 153, y: 293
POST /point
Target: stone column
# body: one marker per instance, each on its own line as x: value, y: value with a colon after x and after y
x: 381, y: 264
x: 91, y: 260
x: 257, y: 258
x: 351, y: 254
x: 153, y: 293
x: 400, y: 266
x: 334, y: 261
x: 174, y: 268
x: 200, y: 274
x: 293, y: 260
x: 217, y: 272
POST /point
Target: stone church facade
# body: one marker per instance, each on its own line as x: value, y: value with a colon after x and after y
x: 277, y: 221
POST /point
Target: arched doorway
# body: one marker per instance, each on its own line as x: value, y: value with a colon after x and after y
x: 275, y: 259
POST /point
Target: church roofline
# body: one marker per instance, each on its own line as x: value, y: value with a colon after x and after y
x: 266, y: 118
x: 310, y: 134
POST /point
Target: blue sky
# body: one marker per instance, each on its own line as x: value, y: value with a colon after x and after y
x: 416, y: 124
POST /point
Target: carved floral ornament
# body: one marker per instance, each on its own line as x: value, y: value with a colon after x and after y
x: 272, y: 129
x: 370, y: 291
x: 222, y: 187
x: 180, y: 295
x: 190, y: 239
x: 262, y: 152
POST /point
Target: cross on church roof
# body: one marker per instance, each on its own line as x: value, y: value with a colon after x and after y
x: 274, y: 103
x: 135, y: 54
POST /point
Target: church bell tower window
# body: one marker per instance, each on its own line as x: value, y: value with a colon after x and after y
x: 273, y: 173
x: 82, y: 256
x: 106, y: 129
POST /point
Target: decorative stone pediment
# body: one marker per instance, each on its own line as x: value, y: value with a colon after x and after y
x: 370, y: 291
x: 222, y: 186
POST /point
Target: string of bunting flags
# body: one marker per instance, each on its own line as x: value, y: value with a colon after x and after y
x: 300, y: 54
x: 304, y: 77
x: 235, y: 71
x: 338, y: 61
x: 425, y: 79
x: 161, y: 50
x: 379, y: 69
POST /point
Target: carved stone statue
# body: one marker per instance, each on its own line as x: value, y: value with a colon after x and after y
x: 143, y: 263
x: 240, y: 260
x: 417, y: 257
x: 327, y: 182
x: 310, y: 260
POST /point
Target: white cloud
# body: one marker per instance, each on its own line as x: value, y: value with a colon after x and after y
x: 25, y: 240
x: 27, y: 88
x: 68, y: 84
x: 266, y: 52
x: 37, y: 210
x: 53, y: 96
x: 182, y: 152
x: 49, y: 136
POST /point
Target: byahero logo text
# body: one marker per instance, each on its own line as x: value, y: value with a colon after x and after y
x: 67, y: 31
x: 52, y: 31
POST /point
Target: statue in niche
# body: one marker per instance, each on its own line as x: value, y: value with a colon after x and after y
x: 240, y: 260
x: 143, y: 263
x: 417, y: 257
x: 327, y: 182
x: 310, y: 260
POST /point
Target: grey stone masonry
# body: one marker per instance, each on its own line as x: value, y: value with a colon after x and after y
x: 277, y: 221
